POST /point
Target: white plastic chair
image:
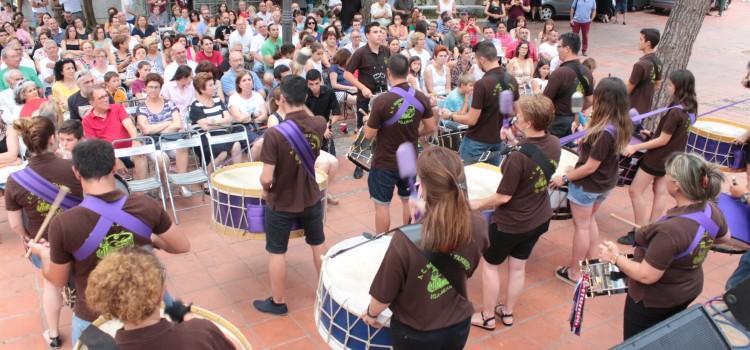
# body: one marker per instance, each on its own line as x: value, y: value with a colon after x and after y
x: 146, y: 149
x: 187, y: 140
x: 231, y: 134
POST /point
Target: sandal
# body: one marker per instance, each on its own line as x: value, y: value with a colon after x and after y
x: 503, y: 315
x: 484, y: 324
x: 563, y: 274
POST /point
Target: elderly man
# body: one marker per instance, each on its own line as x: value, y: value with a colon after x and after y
x: 241, y: 35
x: 8, y: 107
x: 450, y: 40
x: 179, y: 58
x: 56, y: 32
x: 109, y: 122
x: 237, y: 65
x: 261, y: 33
x: 78, y: 102
x: 46, y: 64
x: 12, y: 58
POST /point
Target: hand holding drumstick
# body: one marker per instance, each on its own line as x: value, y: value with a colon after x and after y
x: 64, y: 190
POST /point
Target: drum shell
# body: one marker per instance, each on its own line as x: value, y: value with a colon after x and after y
x: 629, y: 165
x: 716, y: 148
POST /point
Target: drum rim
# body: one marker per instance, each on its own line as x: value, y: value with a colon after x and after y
x: 240, y: 233
x: 571, y: 150
x: 255, y: 193
x: 206, y: 314
x: 714, y: 136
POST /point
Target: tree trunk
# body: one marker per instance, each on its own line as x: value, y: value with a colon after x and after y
x: 88, y: 14
x: 366, y: 5
x: 676, y: 45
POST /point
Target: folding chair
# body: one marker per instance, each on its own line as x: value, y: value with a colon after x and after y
x: 231, y: 134
x: 186, y: 140
x: 146, y: 149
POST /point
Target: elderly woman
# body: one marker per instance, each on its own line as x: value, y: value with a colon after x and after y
x: 101, y: 65
x: 153, y: 55
x: 26, y: 95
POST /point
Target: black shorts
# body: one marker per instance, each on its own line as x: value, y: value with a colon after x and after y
x: 380, y: 183
x: 127, y: 162
x: 517, y: 245
x: 649, y: 170
x: 279, y: 223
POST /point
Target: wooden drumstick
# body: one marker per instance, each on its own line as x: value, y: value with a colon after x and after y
x: 636, y: 226
x: 64, y: 190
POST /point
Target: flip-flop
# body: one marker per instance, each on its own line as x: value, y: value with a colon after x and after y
x: 484, y: 323
x: 562, y: 274
x: 503, y: 315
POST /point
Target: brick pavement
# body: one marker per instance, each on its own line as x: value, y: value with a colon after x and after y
x: 224, y: 274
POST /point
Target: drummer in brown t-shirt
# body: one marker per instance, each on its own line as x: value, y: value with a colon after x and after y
x: 484, y: 119
x: 595, y: 173
x: 291, y: 193
x: 665, y: 275
x: 71, y: 231
x: 671, y: 136
x: 39, y: 136
x: 645, y: 77
x: 389, y: 135
x: 136, y: 302
x: 522, y: 211
x: 428, y: 311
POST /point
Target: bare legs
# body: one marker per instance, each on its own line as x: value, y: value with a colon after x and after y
x: 52, y: 303
x: 585, y: 237
x: 277, y: 271
x: 640, y: 203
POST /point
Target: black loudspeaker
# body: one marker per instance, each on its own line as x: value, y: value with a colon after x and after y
x: 691, y: 329
x: 738, y: 301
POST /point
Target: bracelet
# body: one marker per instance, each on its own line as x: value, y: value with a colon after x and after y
x: 368, y: 313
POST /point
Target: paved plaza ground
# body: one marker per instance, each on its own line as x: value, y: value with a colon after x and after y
x: 225, y: 274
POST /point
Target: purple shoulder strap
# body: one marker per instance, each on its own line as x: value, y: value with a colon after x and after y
x: 610, y: 129
x: 409, y: 100
x: 705, y: 225
x: 39, y: 186
x: 109, y: 214
x: 296, y: 138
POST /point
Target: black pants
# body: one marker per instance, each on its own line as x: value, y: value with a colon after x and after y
x: 561, y: 125
x: 638, y: 317
x: 365, y: 106
x: 448, y: 338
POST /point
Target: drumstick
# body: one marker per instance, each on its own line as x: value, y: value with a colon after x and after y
x: 636, y: 226
x: 64, y: 190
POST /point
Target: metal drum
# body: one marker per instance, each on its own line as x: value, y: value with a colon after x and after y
x: 237, y: 203
x: 558, y: 198
x: 629, y: 165
x: 604, y: 278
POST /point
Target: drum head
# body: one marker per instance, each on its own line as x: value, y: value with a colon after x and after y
x: 244, y: 179
x: 482, y: 180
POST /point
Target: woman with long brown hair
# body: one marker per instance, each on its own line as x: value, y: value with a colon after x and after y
x: 38, y: 135
x: 595, y: 173
x: 429, y: 310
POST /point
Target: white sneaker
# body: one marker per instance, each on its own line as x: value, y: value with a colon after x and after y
x: 185, y: 192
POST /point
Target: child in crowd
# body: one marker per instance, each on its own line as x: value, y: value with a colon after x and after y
x: 70, y: 132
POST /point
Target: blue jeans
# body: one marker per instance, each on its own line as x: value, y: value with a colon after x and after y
x: 577, y: 195
x: 471, y: 151
x: 742, y: 272
x: 78, y: 326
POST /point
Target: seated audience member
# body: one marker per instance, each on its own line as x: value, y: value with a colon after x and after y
x: 113, y: 85
x: 68, y: 136
x: 459, y: 99
x: 180, y: 90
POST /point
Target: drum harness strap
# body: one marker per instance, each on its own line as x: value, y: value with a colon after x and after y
x: 705, y: 225
x: 409, y: 101
x: 291, y: 131
x: 533, y: 152
x: 42, y: 188
x: 453, y: 271
x: 109, y: 214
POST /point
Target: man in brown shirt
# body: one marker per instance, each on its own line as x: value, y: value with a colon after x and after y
x: 645, y: 77
x: 564, y: 82
x: 73, y: 230
x: 291, y: 192
x: 484, y: 119
x: 392, y: 124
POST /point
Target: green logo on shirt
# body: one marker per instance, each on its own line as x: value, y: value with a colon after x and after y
x: 114, y: 242
x: 438, y: 284
x: 408, y: 115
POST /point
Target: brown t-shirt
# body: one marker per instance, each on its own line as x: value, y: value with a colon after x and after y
x: 563, y: 82
x: 196, y: 334
x: 644, y: 77
x: 663, y: 241
x: 293, y: 190
x: 55, y: 170
x: 676, y: 123
x: 406, y: 129
x: 486, y: 98
x: 69, y: 230
x: 524, y: 180
x: 418, y: 295
x: 371, y: 68
x: 603, y: 150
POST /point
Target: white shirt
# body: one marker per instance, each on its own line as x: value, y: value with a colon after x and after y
x: 25, y: 62
x: 424, y: 56
x: 256, y: 42
x: 71, y: 6
x: 172, y: 68
x: 8, y: 106
x: 251, y: 106
x: 45, y: 71
x: 98, y: 76
x: 245, y: 40
x: 554, y: 64
x: 129, y: 5
x: 267, y: 17
x: 547, y: 49
x: 377, y: 10
x: 352, y: 48
x: 41, y: 9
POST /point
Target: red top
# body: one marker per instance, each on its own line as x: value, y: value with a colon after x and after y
x: 109, y: 128
x: 215, y: 58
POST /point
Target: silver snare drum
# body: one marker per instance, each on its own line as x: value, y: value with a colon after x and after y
x: 604, y: 278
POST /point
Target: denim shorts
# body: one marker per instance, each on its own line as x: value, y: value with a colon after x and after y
x: 471, y: 151
x: 36, y: 260
x: 577, y: 195
x: 621, y: 7
x: 380, y: 182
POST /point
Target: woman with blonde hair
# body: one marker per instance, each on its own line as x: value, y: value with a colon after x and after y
x: 129, y: 285
x: 666, y: 274
x: 418, y: 48
x: 449, y: 232
x: 595, y: 173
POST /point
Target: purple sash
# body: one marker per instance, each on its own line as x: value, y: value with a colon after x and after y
x: 109, y: 214
x: 409, y: 100
x: 40, y: 187
x: 296, y: 138
x: 705, y: 225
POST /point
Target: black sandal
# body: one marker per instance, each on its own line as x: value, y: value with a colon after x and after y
x: 503, y: 315
x: 485, y: 322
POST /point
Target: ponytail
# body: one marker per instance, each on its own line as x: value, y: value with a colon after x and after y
x: 699, y: 180
x: 35, y: 133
